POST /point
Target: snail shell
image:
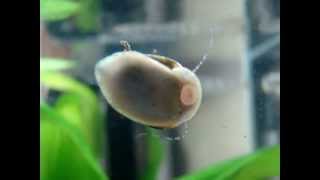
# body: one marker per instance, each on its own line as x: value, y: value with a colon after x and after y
x: 149, y: 89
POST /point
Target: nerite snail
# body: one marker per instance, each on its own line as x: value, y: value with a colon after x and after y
x: 149, y: 89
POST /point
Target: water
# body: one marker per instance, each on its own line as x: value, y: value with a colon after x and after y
x: 236, y: 62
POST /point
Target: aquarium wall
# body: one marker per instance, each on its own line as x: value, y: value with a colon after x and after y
x: 234, y: 47
x: 224, y: 118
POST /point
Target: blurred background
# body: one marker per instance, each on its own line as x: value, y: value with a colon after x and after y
x: 240, y: 111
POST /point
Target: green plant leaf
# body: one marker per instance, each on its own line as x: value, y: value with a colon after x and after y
x: 61, y: 82
x: 54, y: 10
x: 89, y: 119
x: 64, y: 83
x: 265, y: 163
x: 87, y: 20
x: 155, y: 153
x: 64, y: 153
x: 255, y: 166
x: 55, y: 64
x: 79, y: 103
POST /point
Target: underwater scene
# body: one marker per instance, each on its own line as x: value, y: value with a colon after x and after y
x: 159, y: 90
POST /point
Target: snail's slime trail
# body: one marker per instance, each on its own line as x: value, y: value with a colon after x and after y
x: 172, y: 137
x: 205, y: 56
x: 143, y: 134
x: 166, y: 134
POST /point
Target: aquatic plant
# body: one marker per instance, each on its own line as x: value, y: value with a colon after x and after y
x: 262, y: 164
x: 71, y: 130
x: 84, y: 13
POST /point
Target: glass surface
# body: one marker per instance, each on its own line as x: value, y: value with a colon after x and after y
x: 237, y: 43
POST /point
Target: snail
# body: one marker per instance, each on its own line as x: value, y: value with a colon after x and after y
x: 149, y: 89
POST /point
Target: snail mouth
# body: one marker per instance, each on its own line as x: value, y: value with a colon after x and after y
x: 169, y: 63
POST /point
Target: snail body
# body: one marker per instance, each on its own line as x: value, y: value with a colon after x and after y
x: 149, y: 89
